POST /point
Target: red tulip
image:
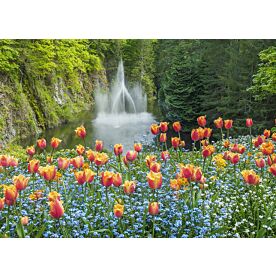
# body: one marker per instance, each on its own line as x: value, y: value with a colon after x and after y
x: 91, y: 155
x: 80, y: 177
x: 164, y: 126
x: 129, y: 187
x: 228, y: 124
x: 77, y: 162
x: 272, y: 169
x: 48, y: 172
x: 63, y: 163
x: 163, y: 137
x: 137, y: 147
x: 11, y: 195
x: 55, y: 142
x: 20, y: 182
x: 107, y: 178
x: 154, y: 129
x: 177, y: 126
x: 175, y: 142
x: 249, y: 122
x: 201, y: 120
x: 41, y: 143
x: 260, y: 163
x: 56, y: 209
x: 155, y: 167
x: 195, y: 135
x: 30, y: 150
x: 153, y: 208
x: 118, y: 210
x: 117, y: 179
x: 99, y: 145
x: 218, y: 122
x: 33, y: 166
x: 154, y: 180
x: 165, y: 155
x: 131, y: 155
x: 118, y: 149
x: 81, y: 131
x: 80, y: 149
x: 267, y: 133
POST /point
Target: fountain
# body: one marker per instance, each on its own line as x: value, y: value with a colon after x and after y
x: 121, y: 112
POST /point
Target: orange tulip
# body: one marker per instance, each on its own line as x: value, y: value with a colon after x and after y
x: 226, y: 144
x: 163, y: 137
x: 274, y: 136
x: 138, y: 147
x: 266, y: 133
x: 4, y: 160
x: 165, y: 155
x: 125, y: 160
x: 56, y: 209
x: 52, y: 196
x: 267, y: 148
x: 182, y: 144
x: 204, y: 143
x: 271, y: 159
x: 260, y: 163
x: 234, y: 157
x: 48, y: 172
x: 195, y: 135
x: 33, y: 166
x: 77, y: 162
x: 129, y: 187
x: 118, y: 210
x: 13, y: 162
x: 228, y: 124
x: 154, y: 129
x: 80, y: 149
x: 201, y: 120
x: 99, y: 145
x: 89, y: 175
x: 250, y: 177
x: 218, y: 122
x: 208, y: 151
x: 155, y: 167
x: 176, y: 126
x: 24, y: 221
x: 153, y: 208
x: 107, y: 178
x: 41, y: 143
x: 187, y: 171
x: 80, y: 177
x: 63, y: 163
x: 91, y: 155
x: 175, y: 142
x: 207, y: 132
x: 249, y: 122
x: 150, y: 159
x: 81, y: 131
x: 55, y: 142
x: 117, y: 179
x: 30, y: 150
x: 49, y: 159
x: 175, y: 185
x: 272, y: 169
x: 118, y: 149
x: 20, y: 182
x: 11, y: 195
x: 154, y: 180
x: 2, y: 203
x: 197, y: 175
x: 164, y: 126
x: 131, y: 155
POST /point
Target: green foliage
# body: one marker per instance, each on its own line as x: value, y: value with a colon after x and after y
x: 8, y: 57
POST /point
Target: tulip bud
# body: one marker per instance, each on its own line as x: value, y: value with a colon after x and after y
x: 131, y: 155
x: 129, y: 187
x: 30, y: 150
x: 20, y: 182
x: 56, y: 209
x: 228, y: 124
x: 249, y: 122
x: 218, y: 122
x: 118, y: 210
x: 177, y: 126
x: 107, y: 178
x: 2, y: 203
x: 165, y: 155
x: 55, y: 142
x: 154, y: 180
x: 117, y: 179
x: 24, y: 221
x: 164, y: 126
x: 63, y: 163
x: 81, y: 131
x: 154, y: 129
x: 33, y: 166
x: 80, y: 149
x: 272, y: 169
x: 163, y: 137
x: 260, y: 163
x: 153, y: 208
x: 137, y: 147
x: 41, y: 143
x: 118, y: 149
x: 201, y: 120
x: 99, y: 145
x: 175, y: 142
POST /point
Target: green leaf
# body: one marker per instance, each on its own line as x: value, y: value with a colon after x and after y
x: 39, y: 234
x: 19, y: 230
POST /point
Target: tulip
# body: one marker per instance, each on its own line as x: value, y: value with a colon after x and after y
x: 249, y: 122
x: 266, y: 133
x: 33, y: 166
x: 125, y: 160
x: 250, y: 177
x: 4, y: 160
x: 260, y: 163
x: 155, y: 167
x: 77, y: 162
x: 234, y: 157
x: 197, y: 175
x: 2, y: 203
x: 138, y: 147
x: 56, y: 209
x: 150, y: 159
x: 55, y: 142
x: 117, y: 179
x: 131, y: 155
x: 271, y: 159
x: 182, y: 144
x: 226, y: 144
x: 41, y: 143
x: 175, y: 142
x: 207, y: 132
x: 177, y: 126
x: 49, y: 159
x: 11, y: 195
x: 13, y: 162
x: 129, y: 187
x: 30, y: 150
x: 99, y: 145
x: 80, y: 177
x: 187, y: 171
x: 52, y: 196
x: 164, y: 126
x: 63, y: 163
x: 272, y: 169
x: 24, y: 221
x: 273, y: 137
x: 118, y: 210
x: 165, y: 155
x: 118, y: 149
x: 91, y: 155
x: 207, y: 151
x: 195, y: 135
x: 228, y: 124
x: 81, y: 131
x: 154, y: 180
x: 163, y: 137
x: 175, y: 185
x: 201, y: 120
x: 154, y: 129
x: 107, y: 178
x: 153, y: 208
x: 48, y: 172
x: 267, y: 148
x: 20, y: 182
x: 89, y: 175
x: 218, y: 122
x: 80, y: 149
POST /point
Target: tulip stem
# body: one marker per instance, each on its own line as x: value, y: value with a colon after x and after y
x: 7, y: 220
x: 153, y: 223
